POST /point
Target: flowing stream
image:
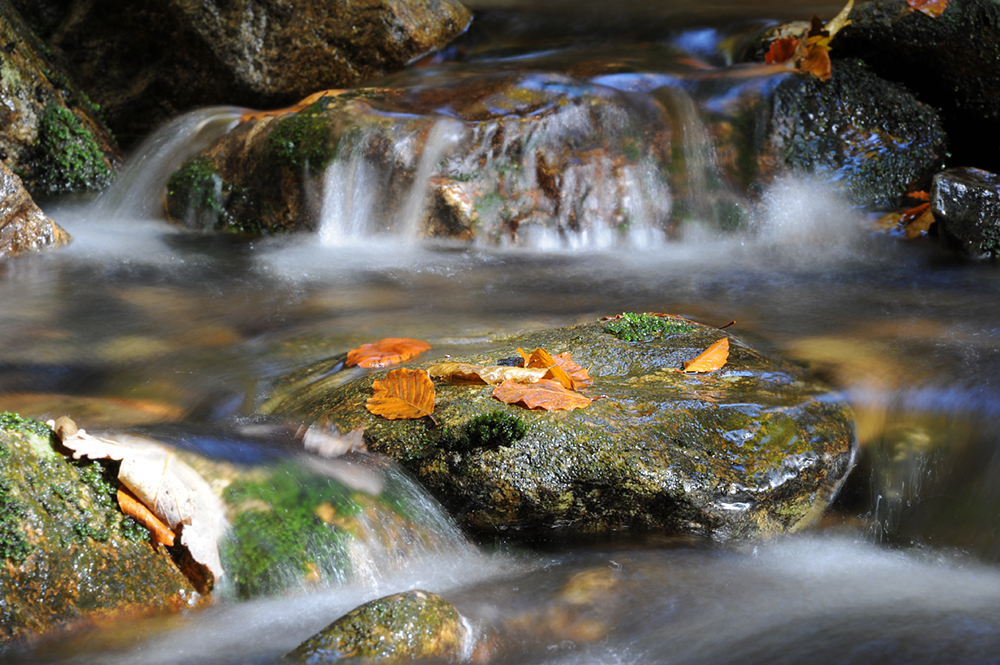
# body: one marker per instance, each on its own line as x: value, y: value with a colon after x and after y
x: 138, y: 322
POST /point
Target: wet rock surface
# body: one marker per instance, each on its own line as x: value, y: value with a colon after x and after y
x: 51, y: 134
x: 404, y: 627
x: 753, y: 449
x: 578, y: 154
x: 950, y: 62
x: 23, y: 226
x: 966, y: 206
x: 67, y: 553
x: 145, y: 62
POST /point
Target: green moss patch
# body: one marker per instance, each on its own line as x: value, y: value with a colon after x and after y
x: 644, y: 327
x: 70, y: 160
x: 302, y: 141
x: 196, y: 194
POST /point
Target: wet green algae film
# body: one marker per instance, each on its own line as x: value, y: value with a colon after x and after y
x: 756, y: 448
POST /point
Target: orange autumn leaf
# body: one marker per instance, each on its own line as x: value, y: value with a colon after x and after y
x: 932, y: 8
x: 136, y: 509
x: 546, y: 394
x: 561, y: 368
x: 469, y: 374
x: 581, y: 377
x: 711, y: 359
x: 919, y: 195
x: 403, y: 394
x: 816, y: 60
x: 781, y: 50
x: 385, y: 352
x: 311, y: 99
x: 917, y: 221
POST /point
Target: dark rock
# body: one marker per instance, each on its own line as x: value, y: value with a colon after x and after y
x: 754, y: 449
x: 146, y: 61
x: 966, y: 207
x: 51, y: 134
x: 23, y: 226
x: 400, y: 628
x: 67, y: 553
x: 951, y: 62
x: 857, y: 129
x: 503, y: 157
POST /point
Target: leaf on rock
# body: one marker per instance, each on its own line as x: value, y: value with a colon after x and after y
x: 561, y: 368
x: 385, y: 352
x: 933, y: 8
x: 171, y: 489
x: 469, y: 374
x: 308, y: 101
x: 403, y: 394
x: 917, y: 221
x: 781, y: 50
x: 546, y: 394
x: 817, y: 59
x: 711, y: 359
x: 137, y: 510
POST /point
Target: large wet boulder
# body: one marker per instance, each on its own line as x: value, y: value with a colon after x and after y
x: 401, y: 628
x: 950, y: 62
x: 146, y: 61
x: 51, y: 134
x: 513, y: 157
x: 23, y: 226
x: 753, y: 449
x: 966, y: 206
x: 67, y: 553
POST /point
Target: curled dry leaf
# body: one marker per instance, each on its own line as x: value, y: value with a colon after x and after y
x: 137, y: 510
x: 403, y: 394
x: 469, y: 374
x: 546, y: 394
x: 311, y: 99
x: 711, y: 359
x: 168, y: 487
x: 385, y: 352
x: 561, y: 368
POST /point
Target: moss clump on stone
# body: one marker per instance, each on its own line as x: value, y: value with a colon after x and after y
x: 302, y: 141
x: 285, y: 529
x: 13, y: 422
x: 196, y: 194
x: 13, y: 545
x: 633, y: 327
x: 70, y: 160
x: 495, y: 430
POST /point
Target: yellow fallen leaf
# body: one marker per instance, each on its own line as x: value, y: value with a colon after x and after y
x: 468, y: 373
x: 403, y: 394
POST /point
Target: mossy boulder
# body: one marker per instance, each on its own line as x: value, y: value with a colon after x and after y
x: 408, y: 626
x: 753, y: 449
x: 51, y: 134
x: 23, y: 226
x: 951, y: 62
x: 67, y: 553
x: 146, y: 61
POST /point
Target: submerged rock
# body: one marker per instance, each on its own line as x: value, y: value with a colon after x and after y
x: 950, y: 62
x: 51, y: 134
x: 400, y: 628
x: 754, y: 449
x: 23, y: 226
x: 966, y: 207
x: 69, y: 556
x: 146, y: 61
x: 479, y: 152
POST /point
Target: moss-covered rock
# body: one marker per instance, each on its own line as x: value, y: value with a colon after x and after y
x: 756, y: 448
x: 404, y: 627
x: 51, y: 134
x: 67, y: 553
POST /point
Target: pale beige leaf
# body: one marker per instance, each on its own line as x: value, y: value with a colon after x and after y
x: 171, y: 489
x: 480, y: 374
